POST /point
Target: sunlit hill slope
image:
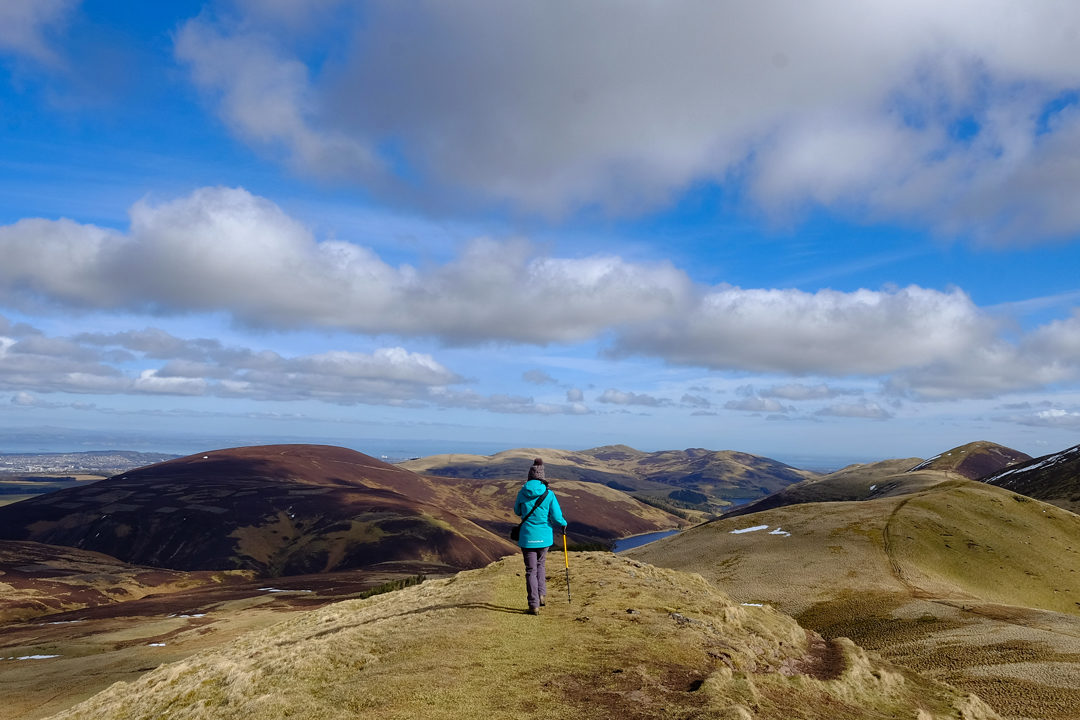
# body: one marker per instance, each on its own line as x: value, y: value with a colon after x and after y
x: 636, y: 642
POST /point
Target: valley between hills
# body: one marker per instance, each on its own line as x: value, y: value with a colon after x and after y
x: 317, y: 582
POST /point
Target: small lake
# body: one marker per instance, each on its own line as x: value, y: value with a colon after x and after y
x: 639, y: 540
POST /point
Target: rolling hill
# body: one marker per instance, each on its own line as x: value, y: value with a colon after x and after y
x: 705, y: 479
x: 638, y: 642
x: 1053, y: 478
x: 298, y: 509
x: 962, y: 581
x: 38, y: 579
x: 890, y: 477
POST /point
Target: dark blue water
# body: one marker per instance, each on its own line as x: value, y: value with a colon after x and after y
x: 639, y: 540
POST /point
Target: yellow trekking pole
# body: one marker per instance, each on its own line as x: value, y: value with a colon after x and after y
x: 566, y: 559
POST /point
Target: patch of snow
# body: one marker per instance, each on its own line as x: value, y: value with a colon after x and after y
x: 62, y: 622
x: 778, y: 531
x: 37, y: 657
x: 873, y: 488
x: 156, y: 645
x: 754, y: 604
x: 276, y: 590
x: 750, y: 529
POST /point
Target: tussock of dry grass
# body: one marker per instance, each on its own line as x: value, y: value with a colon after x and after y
x: 637, y: 642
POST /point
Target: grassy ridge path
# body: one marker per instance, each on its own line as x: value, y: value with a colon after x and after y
x: 638, y: 642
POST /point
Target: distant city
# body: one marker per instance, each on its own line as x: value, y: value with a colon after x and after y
x: 107, y: 462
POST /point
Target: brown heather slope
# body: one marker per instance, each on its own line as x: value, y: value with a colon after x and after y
x: 277, y: 510
x: 299, y: 509
x: 38, y: 579
x: 974, y: 460
x: 963, y: 582
x: 706, y: 479
x: 638, y: 642
x: 1053, y: 478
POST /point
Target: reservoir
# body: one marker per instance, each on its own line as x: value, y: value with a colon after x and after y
x: 639, y: 540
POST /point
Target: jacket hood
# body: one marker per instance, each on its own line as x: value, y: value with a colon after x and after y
x: 533, y: 489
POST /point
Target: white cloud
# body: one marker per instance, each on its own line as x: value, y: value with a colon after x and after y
x: 1046, y: 356
x: 553, y: 107
x: 695, y: 401
x: 267, y: 99
x: 25, y: 25
x: 868, y: 410
x: 575, y: 395
x: 618, y: 397
x: 800, y: 391
x: 862, y: 332
x: 226, y: 251
x: 757, y: 404
x: 1052, y: 418
x: 222, y: 249
x: 538, y: 377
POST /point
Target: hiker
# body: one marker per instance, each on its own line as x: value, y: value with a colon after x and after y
x: 539, y: 509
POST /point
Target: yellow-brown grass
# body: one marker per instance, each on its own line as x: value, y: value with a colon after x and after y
x: 637, y: 642
x: 946, y: 581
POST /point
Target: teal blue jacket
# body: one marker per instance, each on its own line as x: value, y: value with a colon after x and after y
x: 536, y: 532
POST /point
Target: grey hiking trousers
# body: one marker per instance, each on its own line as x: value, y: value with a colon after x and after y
x: 535, y: 574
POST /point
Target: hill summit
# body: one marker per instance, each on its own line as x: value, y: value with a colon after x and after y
x: 275, y: 509
x: 637, y: 642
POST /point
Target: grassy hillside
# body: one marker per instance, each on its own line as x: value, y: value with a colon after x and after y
x: 855, y: 482
x: 637, y: 642
x: 891, y: 477
x: 126, y: 628
x: 965, y: 582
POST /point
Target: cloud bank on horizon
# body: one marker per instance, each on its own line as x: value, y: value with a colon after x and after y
x: 956, y: 125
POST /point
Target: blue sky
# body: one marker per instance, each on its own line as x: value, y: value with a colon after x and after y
x: 821, y: 232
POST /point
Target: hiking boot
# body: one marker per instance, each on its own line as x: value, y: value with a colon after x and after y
x: 534, y: 611
x: 543, y: 601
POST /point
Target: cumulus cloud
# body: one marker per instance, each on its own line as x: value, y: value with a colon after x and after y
x: 227, y: 251
x: 852, y: 105
x: 799, y: 391
x: 868, y: 411
x: 222, y: 249
x: 100, y: 364
x: 757, y: 404
x: 861, y: 332
x: 266, y: 99
x: 575, y: 395
x: 618, y: 397
x: 26, y: 24
x: 538, y: 377
x: 504, y: 403
x: 1051, y: 418
x: 695, y: 401
x: 1048, y: 355
x: 89, y: 364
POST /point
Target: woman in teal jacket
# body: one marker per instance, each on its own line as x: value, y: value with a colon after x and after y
x: 536, y: 531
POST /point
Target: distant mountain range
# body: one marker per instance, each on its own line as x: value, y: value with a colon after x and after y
x: 298, y: 509
x: 707, y: 480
